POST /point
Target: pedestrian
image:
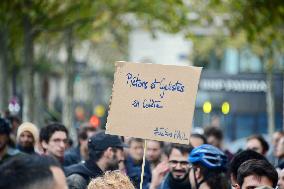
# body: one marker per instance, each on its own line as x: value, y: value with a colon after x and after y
x: 280, y: 153
x: 111, y: 180
x: 134, y: 162
x: 154, y: 153
x: 54, y: 138
x: 6, y: 152
x: 281, y: 179
x: 105, y: 153
x: 209, y: 165
x: 258, y: 144
x: 253, y: 173
x: 197, y: 139
x: 32, y: 172
x: 272, y: 156
x: 27, y: 138
x: 174, y: 173
x: 214, y: 136
x: 238, y: 159
x: 79, y: 153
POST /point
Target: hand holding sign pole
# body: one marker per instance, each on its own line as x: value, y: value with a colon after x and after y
x: 151, y: 101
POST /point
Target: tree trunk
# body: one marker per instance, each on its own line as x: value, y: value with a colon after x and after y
x: 38, y: 106
x: 67, y: 114
x: 4, y: 90
x: 270, y: 95
x: 28, y: 58
x: 283, y: 102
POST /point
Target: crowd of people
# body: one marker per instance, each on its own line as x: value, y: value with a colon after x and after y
x: 45, y: 158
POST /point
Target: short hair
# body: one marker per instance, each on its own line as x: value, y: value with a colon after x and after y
x: 197, y: 135
x: 240, y: 158
x: 259, y: 168
x: 213, y: 131
x: 47, y: 131
x: 132, y: 139
x: 161, y: 143
x: 262, y: 141
x: 214, y: 178
x: 83, y: 131
x: 28, y: 172
x: 183, y: 148
x: 112, y: 179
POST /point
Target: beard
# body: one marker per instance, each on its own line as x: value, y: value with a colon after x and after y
x: 113, y: 164
x: 180, y: 178
x: 26, y: 149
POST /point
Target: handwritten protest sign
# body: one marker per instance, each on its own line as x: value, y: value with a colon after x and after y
x: 153, y: 101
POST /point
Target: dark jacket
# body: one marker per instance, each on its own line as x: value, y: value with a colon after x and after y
x: 134, y: 172
x: 280, y: 163
x: 79, y: 175
x: 11, y: 152
x: 169, y: 183
x: 72, y: 156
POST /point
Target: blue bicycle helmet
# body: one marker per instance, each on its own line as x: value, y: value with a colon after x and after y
x: 208, y: 156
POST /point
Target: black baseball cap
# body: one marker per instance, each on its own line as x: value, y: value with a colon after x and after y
x: 101, y: 141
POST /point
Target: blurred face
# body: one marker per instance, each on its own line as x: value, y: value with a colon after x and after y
x: 214, y: 141
x: 26, y: 139
x: 59, y: 177
x: 255, y: 145
x: 3, y: 141
x: 154, y: 151
x: 196, y: 141
x: 275, y: 140
x: 56, y: 145
x: 178, y: 164
x: 281, y: 179
x: 280, y: 148
x: 84, y: 142
x: 136, y: 150
x: 253, y: 181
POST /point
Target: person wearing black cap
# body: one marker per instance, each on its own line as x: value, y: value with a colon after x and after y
x: 5, y: 151
x: 105, y: 153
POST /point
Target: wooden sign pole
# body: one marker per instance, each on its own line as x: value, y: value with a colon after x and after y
x: 143, y: 164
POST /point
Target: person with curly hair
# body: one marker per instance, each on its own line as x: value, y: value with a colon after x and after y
x: 111, y: 180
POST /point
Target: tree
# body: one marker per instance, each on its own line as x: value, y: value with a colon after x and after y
x: 78, y: 20
x: 261, y: 22
x: 8, y: 42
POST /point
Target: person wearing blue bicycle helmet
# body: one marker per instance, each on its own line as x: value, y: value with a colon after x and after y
x: 208, y: 168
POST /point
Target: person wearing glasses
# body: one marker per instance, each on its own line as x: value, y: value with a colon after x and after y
x: 174, y: 173
x: 208, y: 168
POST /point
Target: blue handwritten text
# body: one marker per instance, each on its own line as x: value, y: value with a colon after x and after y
x: 164, y: 132
x: 134, y: 81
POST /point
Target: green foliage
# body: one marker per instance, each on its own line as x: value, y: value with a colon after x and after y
x: 102, y: 19
x: 257, y: 24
